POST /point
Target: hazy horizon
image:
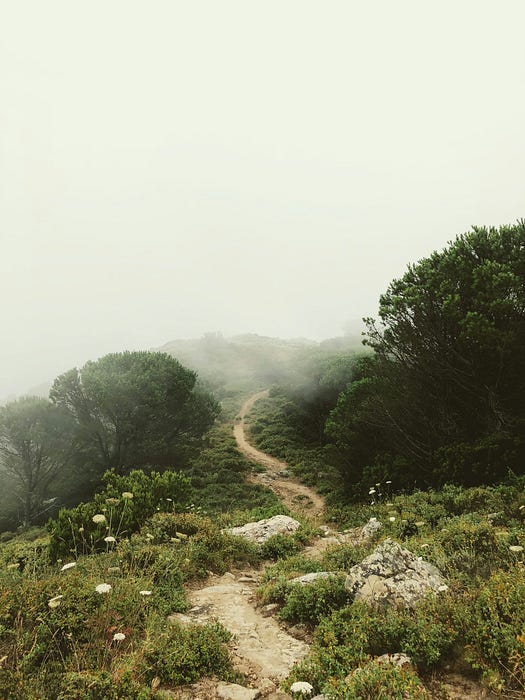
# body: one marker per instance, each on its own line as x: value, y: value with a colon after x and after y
x: 169, y: 169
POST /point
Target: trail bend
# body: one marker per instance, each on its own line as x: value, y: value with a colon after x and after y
x: 296, y: 496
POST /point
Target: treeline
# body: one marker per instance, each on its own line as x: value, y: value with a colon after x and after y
x: 125, y: 410
x: 440, y: 398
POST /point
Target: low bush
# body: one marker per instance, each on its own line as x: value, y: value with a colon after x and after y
x: 184, y: 654
x: 375, y: 681
x: 308, y: 604
x: 118, y: 511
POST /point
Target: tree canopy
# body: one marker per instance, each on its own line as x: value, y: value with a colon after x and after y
x: 134, y: 409
x: 443, y: 399
x: 34, y: 440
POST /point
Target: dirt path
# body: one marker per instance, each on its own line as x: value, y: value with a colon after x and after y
x: 296, y: 496
x: 262, y: 650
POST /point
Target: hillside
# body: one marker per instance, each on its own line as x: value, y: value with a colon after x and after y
x: 138, y: 596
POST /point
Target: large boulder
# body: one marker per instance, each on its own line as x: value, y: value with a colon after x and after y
x: 262, y: 530
x: 393, y: 576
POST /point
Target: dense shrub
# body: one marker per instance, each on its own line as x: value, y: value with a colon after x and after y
x: 125, y: 504
x: 494, y: 629
x: 380, y: 682
x: 185, y: 654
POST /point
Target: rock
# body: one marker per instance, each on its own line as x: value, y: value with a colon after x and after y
x: 392, y: 575
x: 270, y: 608
x: 180, y: 618
x: 232, y: 691
x: 266, y: 685
x: 371, y: 528
x: 310, y: 578
x: 398, y: 659
x: 261, y: 530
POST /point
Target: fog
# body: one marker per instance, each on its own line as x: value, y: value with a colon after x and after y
x: 169, y: 168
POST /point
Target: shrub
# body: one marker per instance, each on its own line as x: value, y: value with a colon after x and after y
x: 308, y: 604
x: 185, y: 654
x: 101, y: 686
x: 280, y: 547
x: 379, y: 682
x: 494, y: 629
x: 125, y: 504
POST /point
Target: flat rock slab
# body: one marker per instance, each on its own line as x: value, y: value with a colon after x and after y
x: 260, y: 644
x: 393, y: 576
x: 262, y: 530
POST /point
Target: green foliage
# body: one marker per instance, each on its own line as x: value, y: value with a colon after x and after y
x: 34, y: 444
x: 218, y: 475
x: 280, y: 547
x: 493, y: 626
x: 310, y: 603
x: 452, y: 335
x: 134, y: 408
x: 101, y: 686
x: 380, y: 682
x: 184, y: 654
x: 124, y: 504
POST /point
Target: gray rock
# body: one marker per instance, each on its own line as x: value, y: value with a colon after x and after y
x: 306, y: 579
x: 371, y: 529
x: 398, y: 659
x: 261, y: 530
x: 393, y: 576
x: 232, y: 691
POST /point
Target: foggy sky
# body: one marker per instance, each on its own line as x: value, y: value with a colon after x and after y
x: 169, y: 168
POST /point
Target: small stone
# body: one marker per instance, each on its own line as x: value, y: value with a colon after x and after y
x: 398, y: 659
x: 232, y: 691
x: 306, y: 579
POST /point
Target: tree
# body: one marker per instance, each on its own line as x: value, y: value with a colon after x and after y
x: 134, y: 409
x: 448, y: 382
x: 34, y: 440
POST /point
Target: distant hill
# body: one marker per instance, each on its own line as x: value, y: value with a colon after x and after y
x: 250, y: 359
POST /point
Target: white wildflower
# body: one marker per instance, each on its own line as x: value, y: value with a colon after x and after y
x: 103, y: 588
x: 127, y: 495
x: 99, y: 518
x: 301, y: 687
x: 119, y: 637
x: 68, y: 566
x: 145, y: 593
x: 109, y: 539
x: 55, y: 602
x: 371, y: 492
x: 516, y: 548
x: 392, y: 519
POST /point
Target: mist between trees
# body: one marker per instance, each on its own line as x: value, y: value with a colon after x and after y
x: 434, y: 397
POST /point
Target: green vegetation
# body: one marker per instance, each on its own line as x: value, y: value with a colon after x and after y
x: 424, y: 432
x: 452, y: 335
x: 100, y: 616
x: 134, y: 409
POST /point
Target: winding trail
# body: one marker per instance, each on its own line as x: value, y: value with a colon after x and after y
x: 296, y: 496
x: 262, y: 650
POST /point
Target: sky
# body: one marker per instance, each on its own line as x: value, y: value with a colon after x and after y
x: 169, y: 168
